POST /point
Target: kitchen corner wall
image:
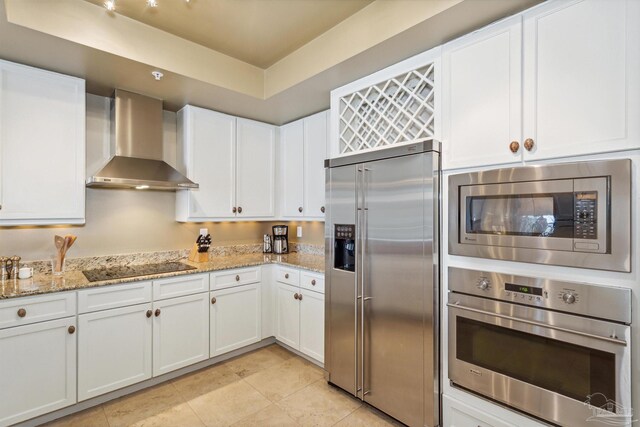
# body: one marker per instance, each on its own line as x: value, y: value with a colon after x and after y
x: 127, y: 221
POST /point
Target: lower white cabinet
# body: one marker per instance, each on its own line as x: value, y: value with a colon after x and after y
x: 37, y: 369
x: 457, y: 414
x: 114, y: 349
x: 180, y: 332
x: 287, y: 315
x: 300, y: 315
x: 235, y: 318
x: 312, y: 324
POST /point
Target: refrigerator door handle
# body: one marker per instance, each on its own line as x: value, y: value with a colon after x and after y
x: 364, y: 266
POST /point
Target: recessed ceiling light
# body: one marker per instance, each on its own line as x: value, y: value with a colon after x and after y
x: 157, y: 75
x: 110, y: 5
x: 152, y: 3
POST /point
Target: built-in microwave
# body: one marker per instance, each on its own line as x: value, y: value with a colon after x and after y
x: 573, y: 214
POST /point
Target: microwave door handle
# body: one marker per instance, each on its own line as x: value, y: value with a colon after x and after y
x: 542, y: 325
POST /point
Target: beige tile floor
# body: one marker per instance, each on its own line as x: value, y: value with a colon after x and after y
x: 267, y: 387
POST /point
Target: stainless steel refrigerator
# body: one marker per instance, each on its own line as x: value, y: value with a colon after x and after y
x: 382, y: 279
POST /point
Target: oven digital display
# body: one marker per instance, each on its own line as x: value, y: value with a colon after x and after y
x: 531, y: 290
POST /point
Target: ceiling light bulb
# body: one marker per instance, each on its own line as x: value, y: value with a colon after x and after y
x: 152, y: 3
x: 110, y: 5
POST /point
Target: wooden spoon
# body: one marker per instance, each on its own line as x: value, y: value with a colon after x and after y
x: 59, y: 242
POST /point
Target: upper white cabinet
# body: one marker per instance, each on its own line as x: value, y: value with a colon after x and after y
x: 303, y: 146
x: 255, y: 188
x: 232, y: 159
x: 482, y: 96
x: 577, y: 92
x: 582, y: 78
x: 42, y: 147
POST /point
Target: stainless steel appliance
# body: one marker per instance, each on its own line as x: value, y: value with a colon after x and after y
x: 382, y: 279
x: 121, y: 272
x: 280, y: 239
x: 136, y: 158
x: 573, y: 214
x: 555, y: 350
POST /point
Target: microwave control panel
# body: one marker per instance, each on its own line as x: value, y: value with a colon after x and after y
x: 585, y: 217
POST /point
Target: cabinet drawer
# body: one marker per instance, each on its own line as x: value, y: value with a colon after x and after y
x: 106, y: 297
x: 23, y: 311
x: 230, y: 278
x: 313, y: 282
x: 179, y: 286
x: 289, y: 276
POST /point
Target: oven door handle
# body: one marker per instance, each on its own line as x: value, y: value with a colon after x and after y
x: 542, y: 325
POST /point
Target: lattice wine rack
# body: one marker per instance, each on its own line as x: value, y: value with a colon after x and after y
x: 395, y: 111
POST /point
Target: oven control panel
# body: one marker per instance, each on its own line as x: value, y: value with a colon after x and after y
x: 599, y: 301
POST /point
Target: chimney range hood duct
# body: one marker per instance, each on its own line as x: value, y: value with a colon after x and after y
x: 136, y: 148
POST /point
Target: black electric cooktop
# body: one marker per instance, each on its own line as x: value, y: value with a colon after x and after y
x: 122, y: 272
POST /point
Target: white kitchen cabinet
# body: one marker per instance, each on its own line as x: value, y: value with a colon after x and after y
x: 287, y: 315
x: 42, y: 147
x: 233, y: 161
x: 207, y: 154
x: 315, y: 152
x: 577, y: 91
x: 37, y: 369
x: 302, y: 178
x: 255, y: 182
x: 457, y: 414
x: 482, y: 84
x: 292, y: 169
x: 312, y: 324
x: 235, y: 318
x: 300, y: 311
x: 180, y: 332
x: 114, y: 349
x: 581, y: 78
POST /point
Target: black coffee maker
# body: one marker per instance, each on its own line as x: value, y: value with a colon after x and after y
x: 280, y: 239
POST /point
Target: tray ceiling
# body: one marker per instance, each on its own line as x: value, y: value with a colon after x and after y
x: 259, y: 32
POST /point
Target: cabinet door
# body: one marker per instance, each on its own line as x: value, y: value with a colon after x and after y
x: 457, y: 414
x: 180, y: 332
x: 582, y: 77
x: 37, y: 369
x: 481, y: 100
x: 42, y: 146
x: 235, y: 318
x: 288, y: 315
x: 114, y: 349
x: 255, y: 179
x: 292, y: 169
x: 315, y: 152
x: 312, y: 324
x: 207, y: 153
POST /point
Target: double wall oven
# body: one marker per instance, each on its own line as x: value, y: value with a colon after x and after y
x: 559, y: 351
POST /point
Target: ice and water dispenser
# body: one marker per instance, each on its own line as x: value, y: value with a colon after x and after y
x: 344, y: 254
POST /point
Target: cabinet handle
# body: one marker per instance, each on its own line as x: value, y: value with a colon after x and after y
x: 71, y: 329
x: 313, y: 282
x: 295, y: 296
x: 157, y: 312
x: 300, y: 209
x: 514, y: 146
x: 239, y: 209
x: 234, y: 210
x: 286, y: 276
x: 149, y: 313
x: 213, y: 300
x: 528, y: 144
x: 22, y: 312
x: 322, y: 209
x: 237, y: 278
x: 299, y: 297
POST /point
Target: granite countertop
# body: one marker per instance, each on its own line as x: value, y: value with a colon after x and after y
x: 73, y: 280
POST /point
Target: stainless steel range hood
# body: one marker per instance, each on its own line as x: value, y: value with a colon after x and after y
x: 136, y: 148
